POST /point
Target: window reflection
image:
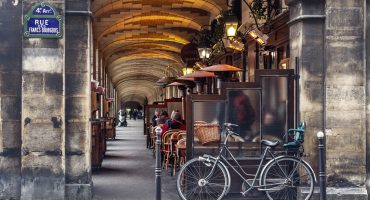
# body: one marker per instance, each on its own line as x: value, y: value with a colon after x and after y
x: 176, y: 105
x: 211, y: 112
x: 243, y: 109
x: 274, y: 107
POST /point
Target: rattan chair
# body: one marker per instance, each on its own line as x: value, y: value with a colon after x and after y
x: 173, y: 150
x: 180, y: 151
x: 166, y: 147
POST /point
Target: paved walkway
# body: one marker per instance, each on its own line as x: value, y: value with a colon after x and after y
x: 128, y: 169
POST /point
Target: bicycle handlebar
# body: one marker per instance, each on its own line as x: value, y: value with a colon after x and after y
x: 230, y: 125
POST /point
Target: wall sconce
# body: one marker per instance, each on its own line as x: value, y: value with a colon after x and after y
x: 232, y: 30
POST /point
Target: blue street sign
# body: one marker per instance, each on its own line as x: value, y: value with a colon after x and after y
x: 43, y: 21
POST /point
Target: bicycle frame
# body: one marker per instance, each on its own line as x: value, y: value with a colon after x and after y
x: 239, y: 170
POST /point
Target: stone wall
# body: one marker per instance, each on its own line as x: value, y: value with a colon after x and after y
x: 345, y: 91
x: 45, y: 106
x: 306, y: 44
x: 43, y: 135
x: 77, y: 92
x: 10, y: 98
x: 334, y: 86
x: 367, y: 42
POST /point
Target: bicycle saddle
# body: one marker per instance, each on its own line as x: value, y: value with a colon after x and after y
x: 269, y: 143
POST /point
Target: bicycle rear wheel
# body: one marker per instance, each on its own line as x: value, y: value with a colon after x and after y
x: 281, y: 179
x: 191, y: 183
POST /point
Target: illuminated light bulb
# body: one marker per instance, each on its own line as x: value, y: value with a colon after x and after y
x: 231, y: 32
x: 204, y: 53
x: 207, y: 55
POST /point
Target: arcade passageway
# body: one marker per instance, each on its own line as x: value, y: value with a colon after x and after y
x: 64, y: 81
x: 127, y: 171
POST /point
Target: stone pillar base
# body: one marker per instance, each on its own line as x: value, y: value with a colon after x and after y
x: 79, y: 191
x: 332, y: 193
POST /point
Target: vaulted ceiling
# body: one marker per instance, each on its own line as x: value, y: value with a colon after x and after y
x: 141, y: 40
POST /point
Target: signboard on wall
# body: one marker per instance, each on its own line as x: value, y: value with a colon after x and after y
x: 43, y: 21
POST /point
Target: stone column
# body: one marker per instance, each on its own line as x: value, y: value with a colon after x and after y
x: 345, y: 92
x: 332, y: 95
x: 77, y: 100
x: 43, y: 128
x: 367, y: 50
x: 306, y: 29
x: 10, y: 98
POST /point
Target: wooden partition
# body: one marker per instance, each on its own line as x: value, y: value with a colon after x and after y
x: 110, y: 128
x: 263, y: 110
x: 98, y: 142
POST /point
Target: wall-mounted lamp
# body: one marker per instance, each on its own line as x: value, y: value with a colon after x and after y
x: 232, y: 30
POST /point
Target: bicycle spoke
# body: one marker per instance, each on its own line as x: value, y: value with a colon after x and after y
x: 280, y: 186
x: 198, y: 180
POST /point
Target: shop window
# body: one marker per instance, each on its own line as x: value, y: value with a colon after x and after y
x: 208, y: 113
x: 244, y: 108
x: 274, y: 107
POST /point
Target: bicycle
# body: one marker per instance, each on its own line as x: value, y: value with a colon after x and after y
x: 208, y: 177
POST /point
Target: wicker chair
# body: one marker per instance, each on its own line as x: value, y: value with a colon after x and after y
x: 166, y: 147
x: 180, y: 147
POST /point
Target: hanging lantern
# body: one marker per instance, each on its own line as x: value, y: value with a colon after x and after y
x: 204, y: 47
x: 231, y: 26
x: 204, y: 52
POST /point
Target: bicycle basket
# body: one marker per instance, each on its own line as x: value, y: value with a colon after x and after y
x: 207, y: 133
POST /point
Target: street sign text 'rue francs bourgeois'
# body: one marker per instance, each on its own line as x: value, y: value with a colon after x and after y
x: 43, y: 21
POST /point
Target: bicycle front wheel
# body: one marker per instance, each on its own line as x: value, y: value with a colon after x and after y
x: 197, y: 181
x: 282, y: 177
